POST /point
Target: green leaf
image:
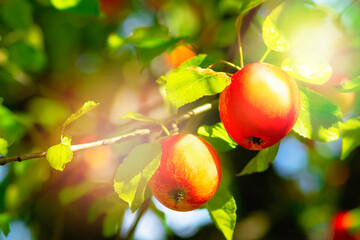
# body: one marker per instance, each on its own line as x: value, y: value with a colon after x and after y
x: 222, y: 210
x: 350, y: 133
x: 187, y: 84
x: 247, y: 5
x: 201, y: 60
x: 240, y: 7
x: 141, y: 117
x: 133, y: 174
x: 73, y: 193
x: 88, y: 7
x: 261, y: 161
x: 59, y: 155
x: 350, y: 86
x: 112, y: 223
x: 150, y: 42
x: 273, y: 37
x: 319, y: 118
x: 17, y: 13
x: 5, y: 219
x: 3, y: 147
x: 310, y: 69
x: 217, y: 136
x: 84, y: 109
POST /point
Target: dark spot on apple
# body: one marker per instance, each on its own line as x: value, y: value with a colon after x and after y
x: 255, y: 140
x: 177, y: 195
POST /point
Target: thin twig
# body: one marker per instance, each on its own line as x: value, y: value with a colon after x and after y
x: 108, y: 141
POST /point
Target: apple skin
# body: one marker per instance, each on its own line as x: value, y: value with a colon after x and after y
x: 345, y: 101
x: 189, y: 173
x: 260, y: 106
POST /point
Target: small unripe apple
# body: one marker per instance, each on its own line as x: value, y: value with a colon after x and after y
x: 260, y: 106
x: 345, y: 101
x: 189, y: 173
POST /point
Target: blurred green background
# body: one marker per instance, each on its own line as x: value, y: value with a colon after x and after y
x: 55, y: 55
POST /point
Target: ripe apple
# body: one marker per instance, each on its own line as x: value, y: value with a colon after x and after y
x: 345, y: 101
x: 189, y: 173
x: 260, y: 106
x: 179, y: 55
x: 341, y: 224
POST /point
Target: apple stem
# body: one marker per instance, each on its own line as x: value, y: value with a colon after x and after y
x: 268, y: 50
x: 238, y: 27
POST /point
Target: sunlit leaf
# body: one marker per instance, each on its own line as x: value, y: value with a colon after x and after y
x: 261, y: 161
x: 350, y: 133
x: 135, y: 171
x: 189, y: 83
x: 141, y: 117
x: 222, y: 210
x: 59, y: 155
x: 350, y: 86
x: 247, y: 5
x: 319, y: 118
x: 273, y: 37
x: 201, y: 60
x: 217, y: 136
x: 308, y: 69
x: 239, y: 6
x: 5, y: 219
x: 17, y: 13
x: 84, y: 109
x: 3, y: 147
x: 73, y: 193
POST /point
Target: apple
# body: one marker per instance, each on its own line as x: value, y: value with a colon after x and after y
x: 179, y: 55
x: 260, y: 106
x: 189, y: 173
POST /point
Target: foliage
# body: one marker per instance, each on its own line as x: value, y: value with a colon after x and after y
x: 56, y: 55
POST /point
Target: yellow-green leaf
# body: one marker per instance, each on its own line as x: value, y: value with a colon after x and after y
x: 309, y: 69
x: 189, y: 83
x: 135, y: 171
x: 350, y: 133
x: 261, y: 161
x: 3, y: 147
x: 222, y: 210
x: 59, y: 155
x: 217, y: 136
x: 84, y: 109
x: 350, y: 86
x: 273, y: 37
x: 319, y: 118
